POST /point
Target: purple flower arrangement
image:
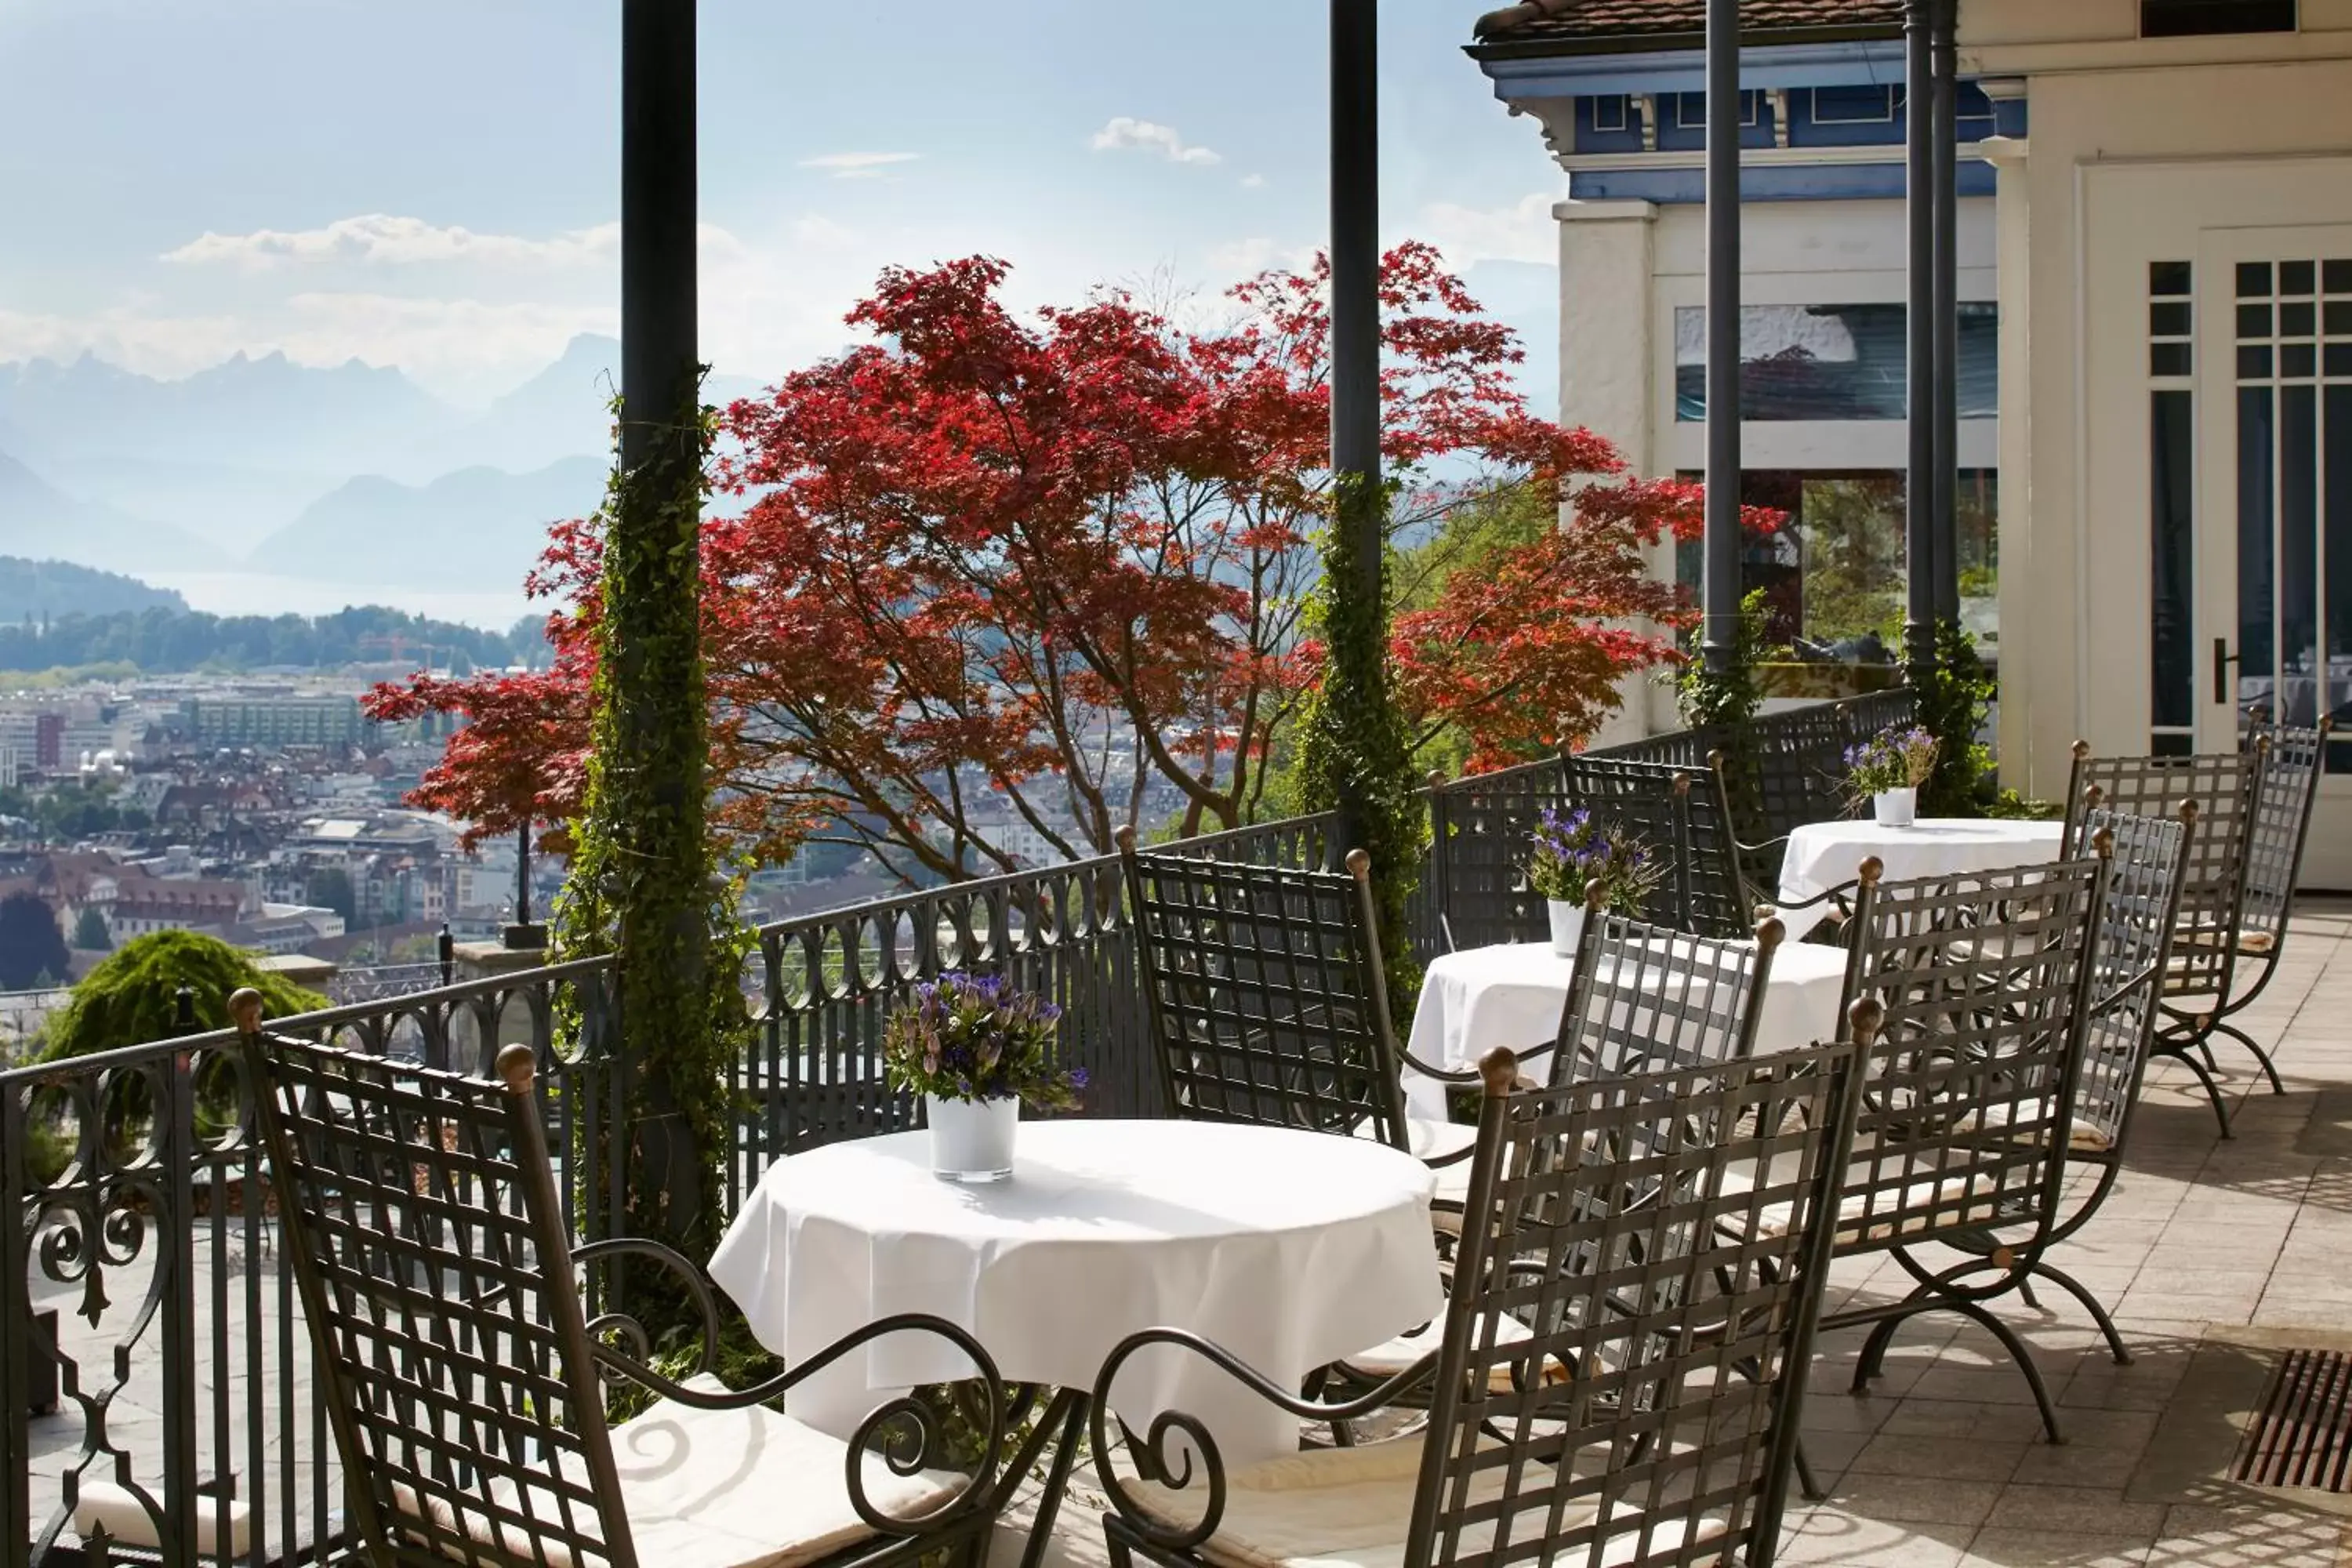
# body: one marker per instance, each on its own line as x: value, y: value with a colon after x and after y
x: 974, y: 1038
x: 1573, y: 854
x: 1890, y: 760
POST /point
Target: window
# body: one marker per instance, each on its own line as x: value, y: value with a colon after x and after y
x: 1690, y: 110
x: 2196, y: 18
x: 1834, y: 575
x: 1609, y: 113
x: 2172, y: 541
x: 1855, y: 105
x: 1831, y: 361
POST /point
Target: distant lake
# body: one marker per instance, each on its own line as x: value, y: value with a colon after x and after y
x: 261, y: 594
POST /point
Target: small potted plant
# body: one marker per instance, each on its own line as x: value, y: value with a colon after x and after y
x: 975, y: 1048
x: 1572, y: 856
x: 1887, y: 769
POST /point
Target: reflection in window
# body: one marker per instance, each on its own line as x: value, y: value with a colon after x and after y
x: 1835, y: 573
x: 1831, y: 361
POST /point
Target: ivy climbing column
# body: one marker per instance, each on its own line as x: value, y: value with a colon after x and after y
x: 642, y: 878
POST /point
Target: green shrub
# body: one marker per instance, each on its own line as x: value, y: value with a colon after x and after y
x: 134, y: 997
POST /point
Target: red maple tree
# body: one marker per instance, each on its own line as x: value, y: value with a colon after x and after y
x: 994, y: 571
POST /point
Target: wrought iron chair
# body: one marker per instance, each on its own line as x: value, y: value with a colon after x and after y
x: 2227, y: 790
x: 1643, y: 998
x: 1681, y: 814
x: 1268, y: 1004
x: 1970, y: 1091
x: 1480, y: 828
x: 2294, y: 761
x: 1618, y: 1380
x: 1646, y: 998
x: 465, y: 1378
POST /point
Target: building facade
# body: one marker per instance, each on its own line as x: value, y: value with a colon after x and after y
x: 2156, y: 328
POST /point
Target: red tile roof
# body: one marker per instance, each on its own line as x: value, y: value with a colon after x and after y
x: 1574, y: 21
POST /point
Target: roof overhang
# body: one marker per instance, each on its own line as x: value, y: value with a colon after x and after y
x: 1654, y: 64
x: 1636, y: 43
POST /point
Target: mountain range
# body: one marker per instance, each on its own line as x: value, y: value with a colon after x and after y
x: 344, y: 475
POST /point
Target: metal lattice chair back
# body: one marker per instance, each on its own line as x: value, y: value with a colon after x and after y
x: 2148, y: 857
x: 1647, y: 998
x: 1481, y: 829
x: 1985, y: 980
x: 1595, y: 1245
x: 1681, y: 814
x: 1799, y: 774
x: 2226, y: 788
x: 2292, y: 764
x: 454, y: 1357
x: 1267, y: 1001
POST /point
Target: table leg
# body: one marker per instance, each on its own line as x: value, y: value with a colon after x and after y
x: 1069, y: 1409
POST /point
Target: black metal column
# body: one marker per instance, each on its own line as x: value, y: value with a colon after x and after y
x: 1720, y: 589
x: 1919, y: 486
x: 1944, y: 65
x: 1356, y: 281
x: 658, y: 302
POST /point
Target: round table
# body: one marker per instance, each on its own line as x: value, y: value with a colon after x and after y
x: 1825, y: 855
x: 1513, y: 996
x: 1290, y: 1248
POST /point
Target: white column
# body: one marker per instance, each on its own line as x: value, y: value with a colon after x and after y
x: 1607, y: 375
x: 2025, y: 655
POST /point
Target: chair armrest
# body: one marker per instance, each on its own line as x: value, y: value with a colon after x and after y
x: 698, y: 1288
x: 906, y: 1433
x: 1154, y: 1460
x: 1468, y: 1076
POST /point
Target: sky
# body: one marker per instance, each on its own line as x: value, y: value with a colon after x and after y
x: 434, y: 184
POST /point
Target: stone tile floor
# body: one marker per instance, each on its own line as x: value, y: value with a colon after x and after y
x: 1944, y: 1463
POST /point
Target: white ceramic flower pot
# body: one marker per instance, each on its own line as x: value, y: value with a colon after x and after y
x: 971, y: 1140
x: 1566, y: 926
x: 1897, y: 807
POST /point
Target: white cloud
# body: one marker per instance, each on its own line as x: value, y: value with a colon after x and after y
x: 1239, y: 258
x: 1253, y: 182
x: 857, y: 165
x: 1127, y: 134
x: 1524, y: 231
x: 381, y: 238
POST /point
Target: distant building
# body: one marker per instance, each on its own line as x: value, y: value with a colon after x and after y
x: 273, y: 722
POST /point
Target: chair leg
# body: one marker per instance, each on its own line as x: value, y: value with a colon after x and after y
x: 2260, y: 1054
x: 1807, y: 1482
x: 2075, y: 1288
x: 2018, y: 1353
x: 2182, y: 1052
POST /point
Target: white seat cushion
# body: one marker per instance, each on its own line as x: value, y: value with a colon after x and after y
x: 2082, y: 1137
x: 1889, y: 1215
x: 1390, y: 1357
x: 716, y: 1489
x: 1352, y: 1508
x: 1434, y: 1140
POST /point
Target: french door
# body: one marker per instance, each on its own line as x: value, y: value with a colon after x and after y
x: 2273, y: 530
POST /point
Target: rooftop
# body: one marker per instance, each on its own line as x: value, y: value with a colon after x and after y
x: 1618, y: 24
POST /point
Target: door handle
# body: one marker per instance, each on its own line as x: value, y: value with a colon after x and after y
x: 2222, y: 659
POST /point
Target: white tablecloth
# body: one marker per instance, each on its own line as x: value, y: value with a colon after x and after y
x: 1290, y: 1249
x: 1825, y: 855
x: 1513, y: 996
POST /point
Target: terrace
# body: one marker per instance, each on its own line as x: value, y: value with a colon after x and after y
x: 163, y: 1403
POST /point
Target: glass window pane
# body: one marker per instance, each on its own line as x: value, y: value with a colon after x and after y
x: 2253, y: 363
x: 2167, y: 321
x: 2257, y: 667
x: 2339, y: 317
x: 2298, y: 360
x: 2253, y: 321
x: 2296, y: 276
x: 2168, y: 278
x: 2336, y: 276
x: 2296, y: 320
x: 2298, y: 559
x: 1831, y: 361
x: 2339, y: 440
x: 2339, y: 359
x: 2172, y: 745
x: 2254, y: 279
x: 2170, y: 359
x: 2173, y: 559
